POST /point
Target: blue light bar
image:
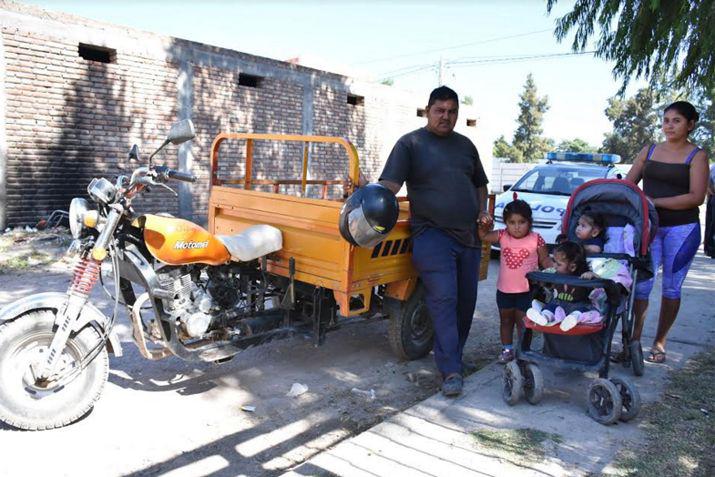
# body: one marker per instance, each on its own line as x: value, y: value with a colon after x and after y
x: 583, y: 157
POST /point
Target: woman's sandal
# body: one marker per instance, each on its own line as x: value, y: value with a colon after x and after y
x: 657, y: 355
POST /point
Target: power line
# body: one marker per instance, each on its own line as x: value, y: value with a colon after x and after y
x: 514, y: 59
x: 437, y: 50
x: 481, y: 60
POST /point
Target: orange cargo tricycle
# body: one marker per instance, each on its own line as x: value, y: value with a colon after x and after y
x: 327, y: 280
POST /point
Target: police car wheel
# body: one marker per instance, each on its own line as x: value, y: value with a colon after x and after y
x: 410, y: 332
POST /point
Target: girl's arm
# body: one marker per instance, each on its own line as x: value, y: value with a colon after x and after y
x: 636, y: 173
x: 699, y: 175
x: 486, y: 235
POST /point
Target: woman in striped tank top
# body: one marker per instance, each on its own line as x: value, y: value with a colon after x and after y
x: 675, y: 177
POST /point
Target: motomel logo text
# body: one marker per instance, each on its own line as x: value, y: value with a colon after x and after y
x: 181, y: 245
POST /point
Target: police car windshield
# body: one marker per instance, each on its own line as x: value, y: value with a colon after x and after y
x: 557, y: 180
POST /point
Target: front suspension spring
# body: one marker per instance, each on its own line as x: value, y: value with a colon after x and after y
x: 86, y: 274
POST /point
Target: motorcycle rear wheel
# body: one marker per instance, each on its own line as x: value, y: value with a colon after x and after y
x: 24, y: 404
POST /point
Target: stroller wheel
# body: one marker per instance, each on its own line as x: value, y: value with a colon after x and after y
x: 636, y: 351
x: 630, y: 397
x: 604, y: 401
x: 533, y: 383
x: 513, y: 383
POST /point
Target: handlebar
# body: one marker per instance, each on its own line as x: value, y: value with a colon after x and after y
x: 174, y: 174
x: 181, y: 176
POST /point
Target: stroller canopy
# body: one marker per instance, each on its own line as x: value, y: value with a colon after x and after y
x: 621, y: 202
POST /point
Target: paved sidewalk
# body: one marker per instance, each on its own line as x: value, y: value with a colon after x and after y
x: 435, y: 437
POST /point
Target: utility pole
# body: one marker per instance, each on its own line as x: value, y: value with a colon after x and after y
x: 440, y: 72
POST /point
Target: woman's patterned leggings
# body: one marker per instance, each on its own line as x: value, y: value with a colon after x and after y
x: 673, y: 248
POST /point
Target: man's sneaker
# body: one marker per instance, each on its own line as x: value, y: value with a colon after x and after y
x: 506, y: 355
x: 452, y: 385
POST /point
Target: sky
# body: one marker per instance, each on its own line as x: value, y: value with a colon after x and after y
x: 482, y: 45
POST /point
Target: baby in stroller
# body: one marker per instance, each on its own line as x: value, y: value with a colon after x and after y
x: 567, y: 305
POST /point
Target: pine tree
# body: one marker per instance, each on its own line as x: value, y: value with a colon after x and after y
x: 528, y: 144
x: 527, y: 137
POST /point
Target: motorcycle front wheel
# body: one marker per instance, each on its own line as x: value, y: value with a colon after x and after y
x: 24, y: 404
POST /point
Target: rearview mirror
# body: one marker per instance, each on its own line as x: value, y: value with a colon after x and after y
x: 506, y: 187
x: 134, y: 153
x: 181, y: 131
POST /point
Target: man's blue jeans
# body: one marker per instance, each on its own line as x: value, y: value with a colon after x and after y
x: 450, y: 274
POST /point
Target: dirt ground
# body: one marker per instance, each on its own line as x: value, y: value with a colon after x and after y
x: 170, y: 416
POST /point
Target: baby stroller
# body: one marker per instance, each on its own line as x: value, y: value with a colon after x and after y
x: 631, y: 222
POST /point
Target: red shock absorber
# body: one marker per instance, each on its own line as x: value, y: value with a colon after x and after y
x: 86, y: 274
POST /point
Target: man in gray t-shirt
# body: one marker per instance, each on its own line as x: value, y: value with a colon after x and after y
x: 447, y: 189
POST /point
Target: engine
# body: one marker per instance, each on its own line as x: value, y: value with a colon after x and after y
x: 197, y: 297
x: 189, y: 304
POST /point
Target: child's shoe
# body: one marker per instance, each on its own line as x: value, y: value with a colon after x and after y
x: 506, y: 355
x: 570, y: 321
x: 534, y: 315
x: 537, y: 305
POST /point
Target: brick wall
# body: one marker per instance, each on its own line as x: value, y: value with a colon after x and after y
x: 68, y: 119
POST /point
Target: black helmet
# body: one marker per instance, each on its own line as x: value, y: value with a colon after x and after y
x: 368, y: 215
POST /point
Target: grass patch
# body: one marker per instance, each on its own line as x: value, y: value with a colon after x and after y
x: 5, y: 242
x: 680, y: 429
x: 24, y: 261
x: 526, y: 443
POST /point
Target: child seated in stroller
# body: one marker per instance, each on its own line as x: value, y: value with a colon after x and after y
x: 591, y: 231
x: 567, y: 305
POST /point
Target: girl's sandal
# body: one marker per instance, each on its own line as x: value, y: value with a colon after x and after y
x: 656, y: 355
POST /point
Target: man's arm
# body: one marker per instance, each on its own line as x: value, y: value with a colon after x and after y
x: 482, y: 195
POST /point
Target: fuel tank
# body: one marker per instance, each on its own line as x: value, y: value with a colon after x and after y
x: 179, y: 242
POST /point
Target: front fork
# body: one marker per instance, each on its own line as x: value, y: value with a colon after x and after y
x: 86, y: 274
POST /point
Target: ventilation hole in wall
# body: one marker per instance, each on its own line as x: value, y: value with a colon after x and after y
x: 472, y: 123
x: 97, y: 53
x: 356, y: 100
x: 252, y: 81
x: 421, y: 112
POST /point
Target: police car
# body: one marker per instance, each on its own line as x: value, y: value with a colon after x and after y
x: 547, y: 187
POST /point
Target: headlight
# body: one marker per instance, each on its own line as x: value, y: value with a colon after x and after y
x: 78, y: 207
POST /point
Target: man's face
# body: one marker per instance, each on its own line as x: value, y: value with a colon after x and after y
x: 442, y: 116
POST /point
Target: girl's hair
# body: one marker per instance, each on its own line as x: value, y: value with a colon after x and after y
x: 573, y: 253
x: 517, y: 206
x: 596, y: 220
x: 685, y: 109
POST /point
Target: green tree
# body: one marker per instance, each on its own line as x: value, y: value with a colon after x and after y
x: 704, y: 133
x: 527, y: 137
x: 467, y: 100
x: 528, y: 144
x: 503, y: 150
x: 576, y: 145
x: 388, y: 82
x: 647, y: 38
x: 635, y: 124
